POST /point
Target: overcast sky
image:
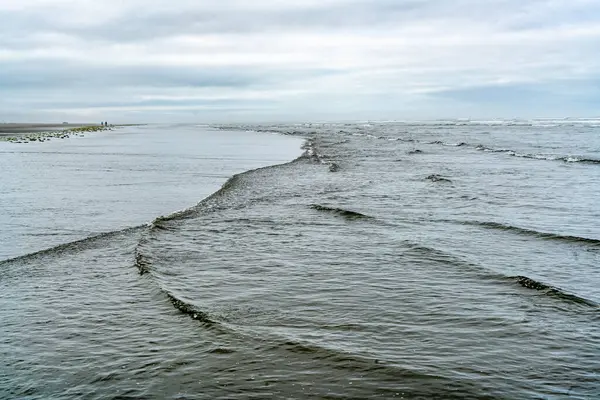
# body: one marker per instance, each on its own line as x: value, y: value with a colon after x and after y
x: 234, y: 60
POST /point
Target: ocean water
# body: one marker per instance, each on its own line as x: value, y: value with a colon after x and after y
x: 448, y: 259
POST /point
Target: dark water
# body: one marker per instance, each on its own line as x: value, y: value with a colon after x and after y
x: 439, y: 260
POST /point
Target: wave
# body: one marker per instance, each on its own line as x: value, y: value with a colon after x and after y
x: 311, y: 153
x: 511, y: 152
x: 77, y: 245
x: 532, y: 232
x: 571, y: 159
x: 348, y: 361
x: 432, y: 254
x: 524, y: 281
x: 190, y: 310
x: 533, y: 156
x: 552, y: 291
x: 514, y: 153
x: 334, y: 167
x: 438, y: 178
x: 141, y: 263
x: 277, y: 342
x: 461, y: 144
x: 440, y: 256
x: 338, y: 359
x: 211, y: 203
x: 388, y: 379
x: 340, y: 211
x: 312, y: 352
x: 208, y: 204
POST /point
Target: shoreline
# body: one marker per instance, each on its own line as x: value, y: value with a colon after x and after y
x: 26, y: 128
x: 27, y: 133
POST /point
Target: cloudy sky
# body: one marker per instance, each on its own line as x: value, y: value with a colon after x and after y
x: 242, y: 60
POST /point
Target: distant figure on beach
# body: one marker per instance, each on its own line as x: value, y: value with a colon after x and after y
x: 105, y: 123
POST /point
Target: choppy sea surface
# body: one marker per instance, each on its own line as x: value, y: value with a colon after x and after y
x: 447, y: 260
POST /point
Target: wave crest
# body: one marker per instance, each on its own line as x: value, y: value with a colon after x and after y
x: 77, y: 245
x: 534, y: 233
x: 552, y: 291
x: 533, y: 156
x: 340, y: 211
x: 190, y: 310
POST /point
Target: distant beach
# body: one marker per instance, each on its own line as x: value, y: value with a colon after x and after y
x: 25, y: 128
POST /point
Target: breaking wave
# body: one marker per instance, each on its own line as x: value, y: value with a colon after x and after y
x: 548, y: 157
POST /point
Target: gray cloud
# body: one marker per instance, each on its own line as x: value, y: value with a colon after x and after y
x: 339, y: 16
x: 49, y: 74
x: 364, y: 58
x: 146, y: 23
